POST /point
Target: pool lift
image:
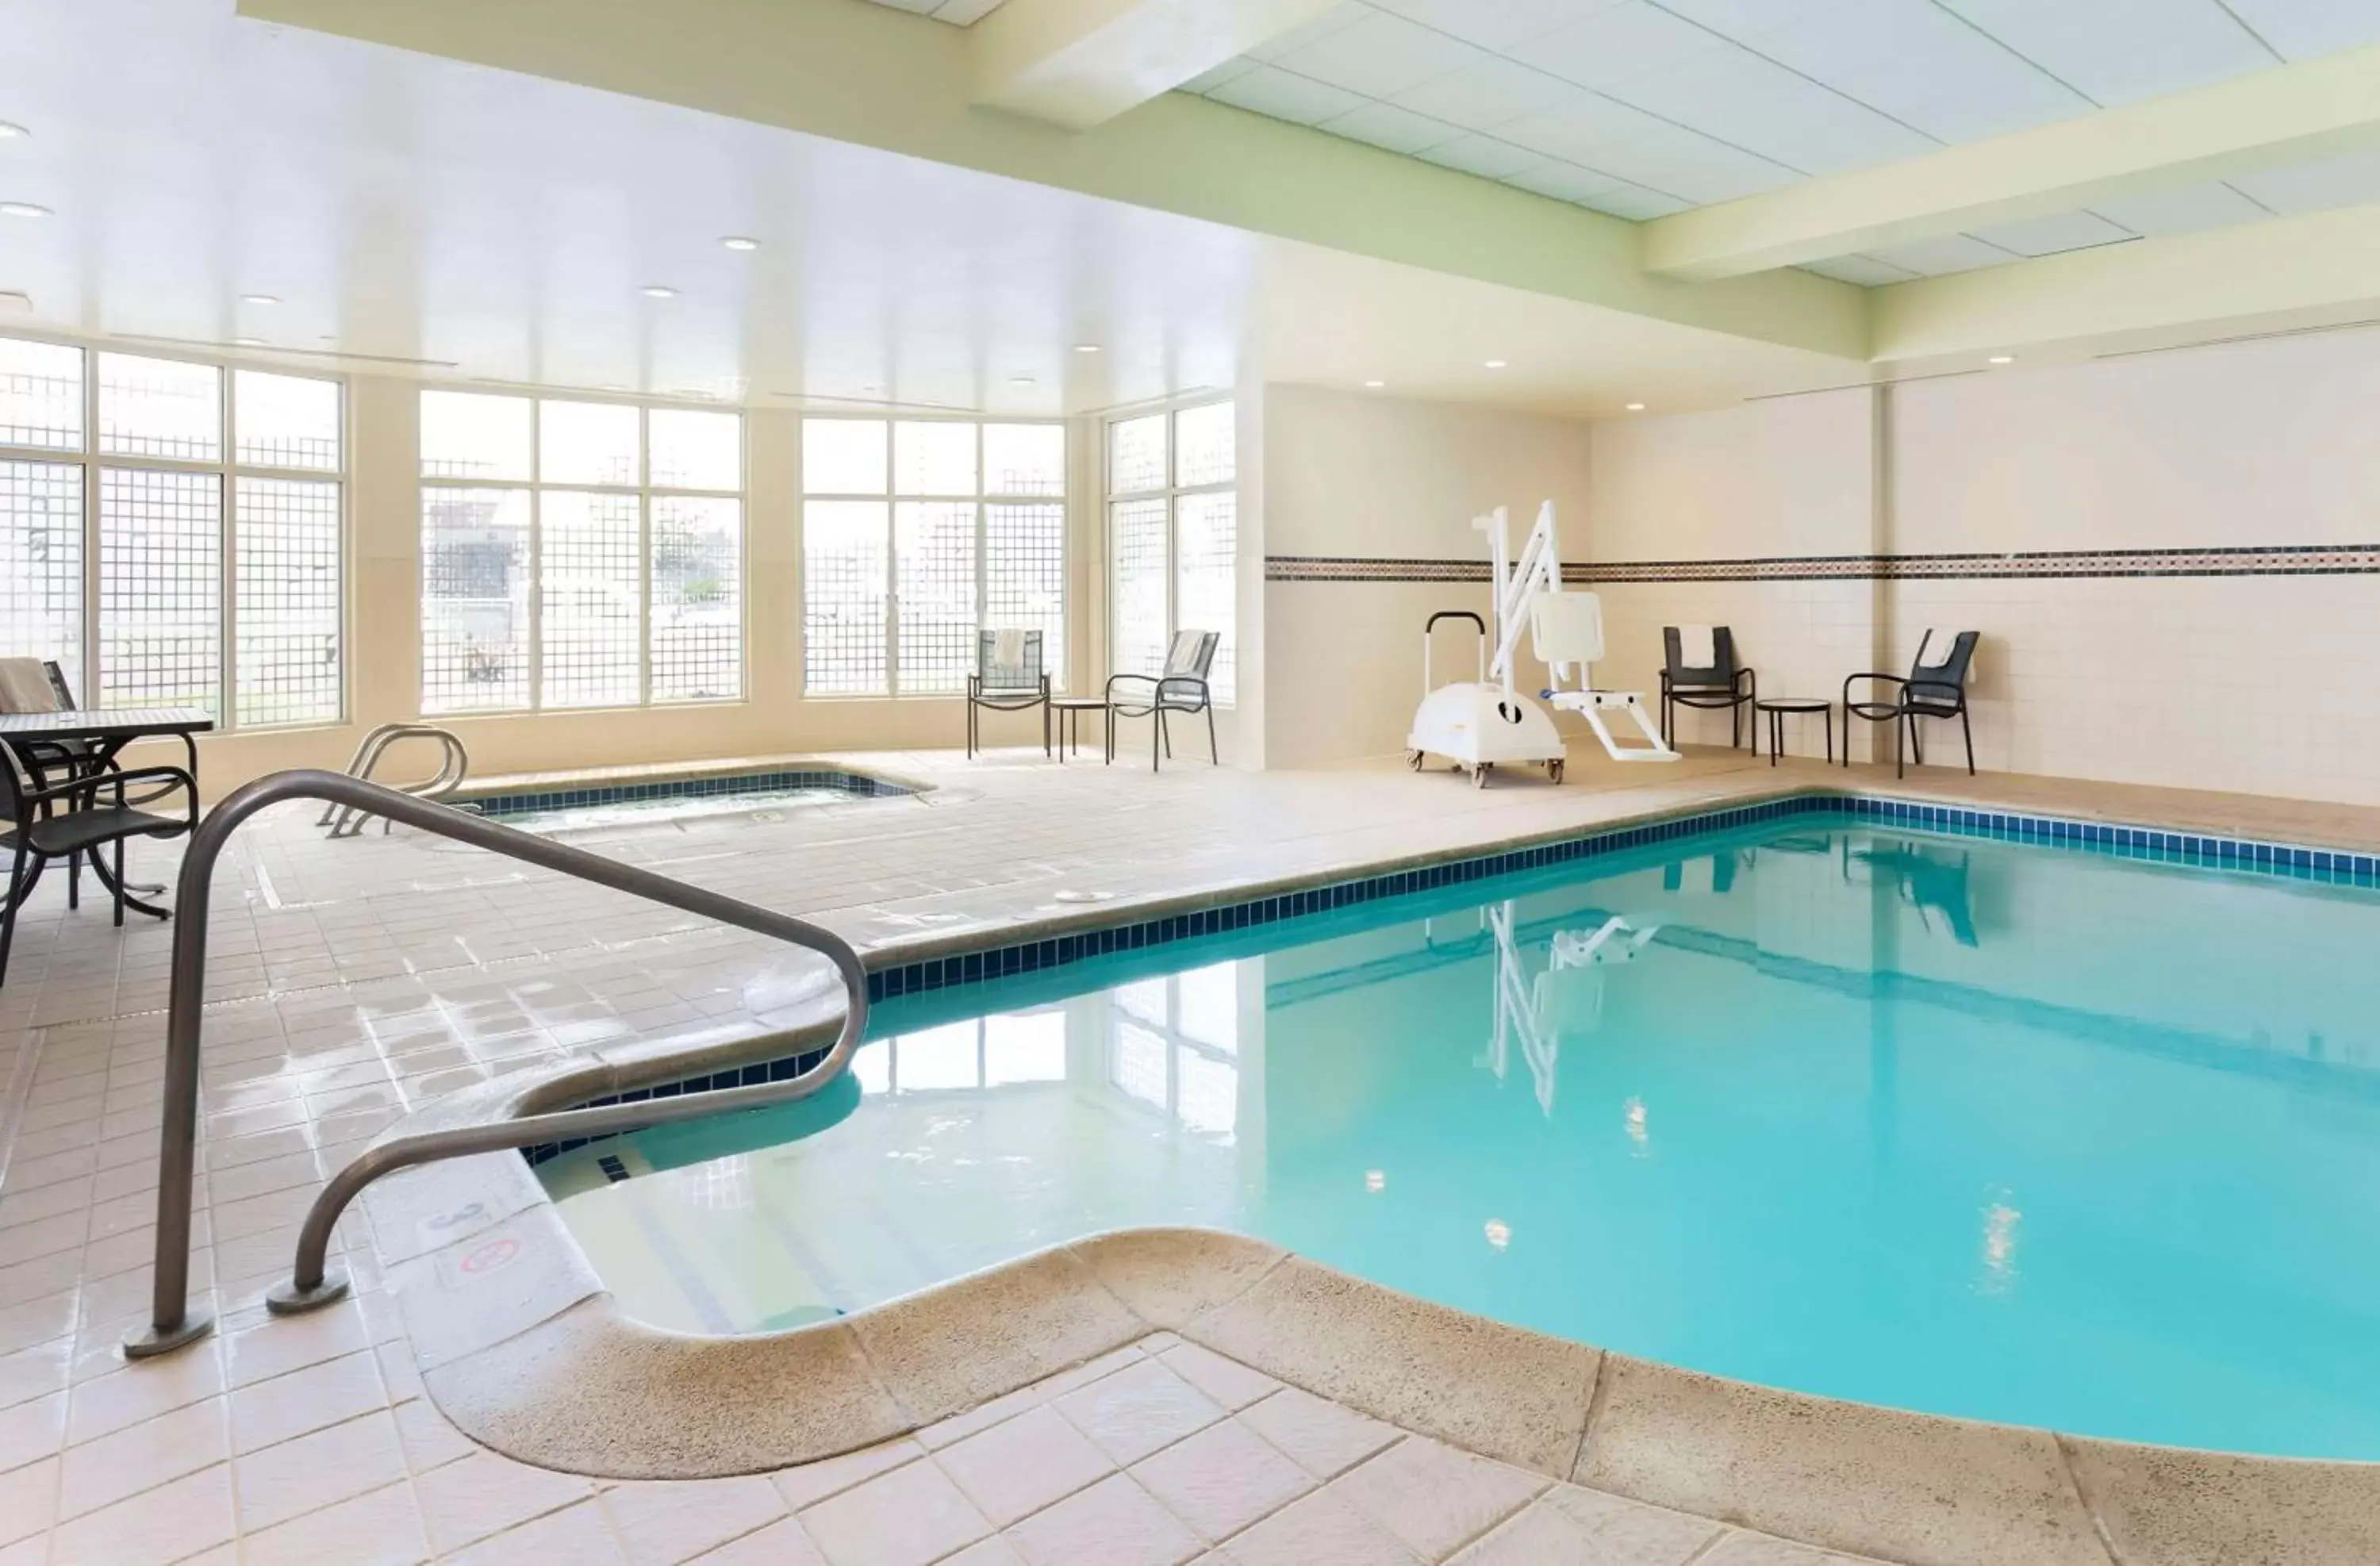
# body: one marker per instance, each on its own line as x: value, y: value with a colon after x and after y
x: 1567, y: 997
x: 1479, y: 724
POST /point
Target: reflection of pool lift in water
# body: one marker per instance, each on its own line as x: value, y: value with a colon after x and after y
x: 1480, y: 724
x: 1567, y: 997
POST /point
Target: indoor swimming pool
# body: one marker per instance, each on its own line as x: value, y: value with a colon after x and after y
x: 1970, y: 1126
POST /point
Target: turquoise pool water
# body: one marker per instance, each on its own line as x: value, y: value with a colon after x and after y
x: 1979, y: 1128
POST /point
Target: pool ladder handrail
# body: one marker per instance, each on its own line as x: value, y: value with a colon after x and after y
x: 173, y: 1324
x: 453, y: 763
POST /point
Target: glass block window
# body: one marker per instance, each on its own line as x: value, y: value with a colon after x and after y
x: 579, y: 554
x: 180, y: 540
x: 40, y: 563
x: 286, y: 614
x: 917, y: 534
x: 40, y: 395
x: 475, y: 600
x: 1173, y: 536
x: 845, y: 568
x: 697, y: 603
x: 160, y: 589
x: 590, y: 568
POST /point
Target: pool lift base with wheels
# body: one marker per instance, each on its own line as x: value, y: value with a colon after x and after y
x: 1486, y: 723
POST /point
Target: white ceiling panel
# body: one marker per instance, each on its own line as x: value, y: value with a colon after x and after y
x: 2054, y: 236
x: 1388, y: 127
x: 1268, y: 89
x: 2119, y: 51
x: 1692, y: 168
x: 1626, y: 40
x: 1921, y: 65
x: 1494, y: 92
x: 1563, y: 182
x: 1865, y: 270
x: 1750, y: 102
x: 2339, y: 182
x: 1939, y: 258
x: 1644, y: 107
x: 1382, y: 57
x: 1496, y: 24
x: 2183, y: 211
x: 1581, y: 125
x: 959, y: 13
x: 1481, y: 154
x: 1346, y: 14
x: 2303, y: 29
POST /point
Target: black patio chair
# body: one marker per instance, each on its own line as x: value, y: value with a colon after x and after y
x: 1929, y: 690
x: 88, y: 812
x: 1182, y: 687
x: 1017, y: 683
x: 1723, y: 683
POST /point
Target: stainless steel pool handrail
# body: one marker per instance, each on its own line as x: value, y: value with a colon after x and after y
x: 172, y: 1323
x: 454, y: 765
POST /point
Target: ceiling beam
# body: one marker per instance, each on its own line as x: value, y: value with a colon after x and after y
x: 1080, y: 62
x: 2294, y: 113
x: 878, y: 77
x: 2280, y: 275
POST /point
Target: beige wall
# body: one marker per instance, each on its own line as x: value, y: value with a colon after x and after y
x: 1384, y: 478
x: 2248, y: 682
x: 383, y: 656
x: 1791, y: 478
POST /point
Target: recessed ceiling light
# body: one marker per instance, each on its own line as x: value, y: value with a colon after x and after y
x: 22, y: 209
x: 1495, y: 364
x: 260, y: 298
x: 1087, y: 347
x: 1020, y: 380
x: 658, y: 291
x: 11, y: 131
x: 247, y: 341
x: 16, y: 302
x: 740, y: 242
x: 2001, y: 358
x: 1635, y: 407
x: 1374, y: 386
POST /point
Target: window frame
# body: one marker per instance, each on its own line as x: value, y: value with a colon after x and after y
x: 1173, y: 492
x: 227, y: 470
x: 983, y: 498
x: 645, y: 491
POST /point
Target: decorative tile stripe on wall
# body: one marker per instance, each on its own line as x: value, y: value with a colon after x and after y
x: 2152, y: 843
x: 2286, y: 559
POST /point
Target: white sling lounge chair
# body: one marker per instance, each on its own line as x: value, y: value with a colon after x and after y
x: 1566, y: 629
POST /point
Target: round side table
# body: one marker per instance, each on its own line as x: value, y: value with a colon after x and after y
x: 1779, y: 707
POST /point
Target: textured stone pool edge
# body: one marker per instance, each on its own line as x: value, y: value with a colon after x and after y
x: 1270, y: 904
x: 535, y: 1359
x: 844, y: 780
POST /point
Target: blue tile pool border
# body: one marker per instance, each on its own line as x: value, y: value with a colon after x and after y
x: 2151, y: 845
x: 858, y: 784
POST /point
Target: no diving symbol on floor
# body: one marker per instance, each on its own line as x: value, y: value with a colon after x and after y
x: 494, y: 1256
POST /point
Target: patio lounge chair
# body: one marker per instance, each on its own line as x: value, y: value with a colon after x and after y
x: 1180, y: 689
x: 1715, y: 683
x: 1929, y: 690
x: 1009, y: 677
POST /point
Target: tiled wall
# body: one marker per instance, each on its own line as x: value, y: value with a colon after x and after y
x: 2174, y: 558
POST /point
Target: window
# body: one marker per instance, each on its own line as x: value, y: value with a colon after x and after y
x: 171, y: 532
x: 1174, y: 531
x: 918, y: 533
x: 579, y: 554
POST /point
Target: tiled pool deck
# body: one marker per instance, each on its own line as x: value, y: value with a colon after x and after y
x: 352, y: 982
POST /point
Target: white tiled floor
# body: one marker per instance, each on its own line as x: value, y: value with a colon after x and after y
x: 351, y: 982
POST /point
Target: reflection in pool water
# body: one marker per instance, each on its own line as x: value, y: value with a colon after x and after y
x: 1960, y: 1126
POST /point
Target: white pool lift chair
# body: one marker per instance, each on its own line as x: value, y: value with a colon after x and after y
x: 1566, y: 633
